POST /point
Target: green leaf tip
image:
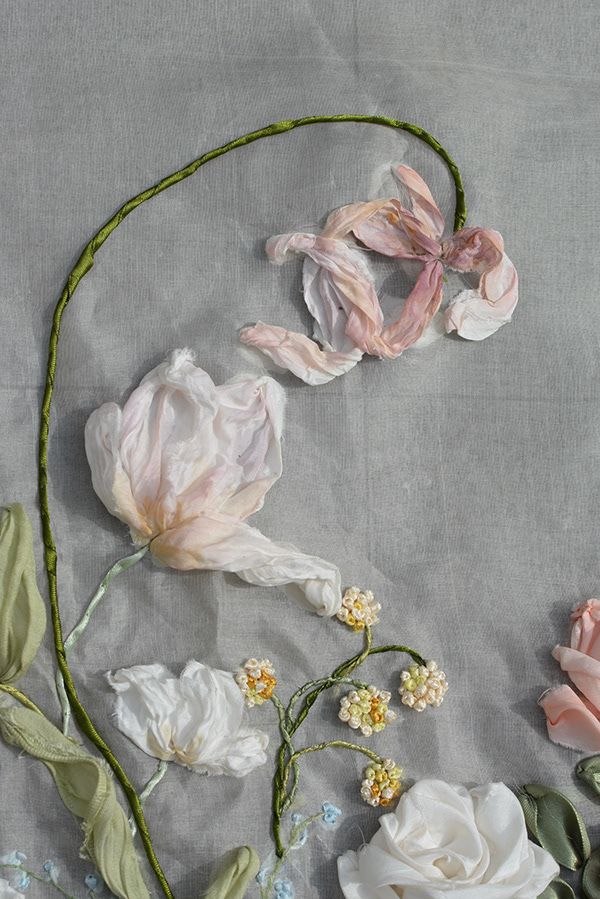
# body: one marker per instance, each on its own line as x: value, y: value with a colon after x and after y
x: 554, y: 822
x: 236, y: 870
x: 22, y: 610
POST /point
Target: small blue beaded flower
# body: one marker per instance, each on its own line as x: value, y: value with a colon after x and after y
x: 17, y: 879
x: 94, y: 883
x: 331, y: 813
x: 284, y: 889
x: 301, y: 835
x: 51, y: 871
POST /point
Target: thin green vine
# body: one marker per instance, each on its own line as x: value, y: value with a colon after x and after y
x: 80, y: 269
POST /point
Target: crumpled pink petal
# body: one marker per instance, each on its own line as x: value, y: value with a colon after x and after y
x: 299, y: 354
x: 570, y: 721
x: 585, y: 630
x: 583, y: 671
x: 346, y: 281
x: 573, y: 721
x: 419, y: 308
x: 475, y: 314
x: 340, y: 294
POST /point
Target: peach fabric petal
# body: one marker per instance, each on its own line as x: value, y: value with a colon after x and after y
x: 582, y: 670
x: 299, y: 354
x: 570, y: 722
x: 217, y: 543
x: 585, y: 631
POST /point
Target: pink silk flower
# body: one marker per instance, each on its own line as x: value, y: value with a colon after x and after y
x: 184, y: 463
x: 340, y: 294
x: 573, y: 720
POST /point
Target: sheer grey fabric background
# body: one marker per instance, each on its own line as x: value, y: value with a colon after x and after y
x: 459, y: 482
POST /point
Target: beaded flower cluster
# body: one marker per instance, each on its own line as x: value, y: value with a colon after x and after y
x: 359, y: 609
x: 422, y: 686
x: 382, y: 783
x: 366, y: 709
x: 257, y: 681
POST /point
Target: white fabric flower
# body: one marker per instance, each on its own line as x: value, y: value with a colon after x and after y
x: 184, y: 463
x: 197, y: 720
x: 444, y: 839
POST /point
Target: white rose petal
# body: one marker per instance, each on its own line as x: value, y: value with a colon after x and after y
x: 444, y: 839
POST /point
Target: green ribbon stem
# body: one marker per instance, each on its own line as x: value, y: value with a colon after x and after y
x: 79, y: 271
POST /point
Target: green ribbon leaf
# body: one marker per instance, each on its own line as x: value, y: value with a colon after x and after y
x: 590, y: 881
x: 588, y: 770
x: 87, y: 790
x: 237, y: 869
x: 554, y: 822
x: 22, y: 610
x: 558, y: 889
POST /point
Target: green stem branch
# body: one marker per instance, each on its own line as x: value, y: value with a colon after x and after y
x: 79, y: 271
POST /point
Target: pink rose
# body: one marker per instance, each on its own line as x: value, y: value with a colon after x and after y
x: 573, y: 720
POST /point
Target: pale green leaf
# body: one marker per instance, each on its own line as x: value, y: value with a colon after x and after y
x: 558, y: 889
x: 591, y: 876
x: 236, y: 870
x: 554, y: 822
x: 588, y: 770
x: 22, y: 611
x: 87, y: 789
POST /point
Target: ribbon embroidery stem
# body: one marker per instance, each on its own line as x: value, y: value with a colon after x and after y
x: 71, y: 640
x: 79, y: 271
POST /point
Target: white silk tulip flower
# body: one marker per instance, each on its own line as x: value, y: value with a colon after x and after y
x: 184, y: 463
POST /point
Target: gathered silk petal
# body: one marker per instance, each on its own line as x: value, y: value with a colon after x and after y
x: 570, y: 721
x: 419, y: 308
x: 346, y: 274
x: 444, y: 839
x: 197, y: 720
x: 231, y: 546
x: 475, y: 314
x: 299, y: 354
x: 340, y: 294
x: 185, y: 462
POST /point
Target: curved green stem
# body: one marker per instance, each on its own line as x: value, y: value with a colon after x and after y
x: 71, y: 640
x: 23, y: 699
x: 120, y: 566
x: 343, y: 670
x: 279, y: 806
x: 79, y: 271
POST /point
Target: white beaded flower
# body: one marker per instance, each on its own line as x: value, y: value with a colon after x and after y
x: 382, y: 783
x: 366, y: 710
x: 257, y: 681
x: 358, y: 609
x: 423, y: 685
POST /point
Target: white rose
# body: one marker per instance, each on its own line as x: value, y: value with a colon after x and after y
x: 448, y: 839
x: 197, y: 720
